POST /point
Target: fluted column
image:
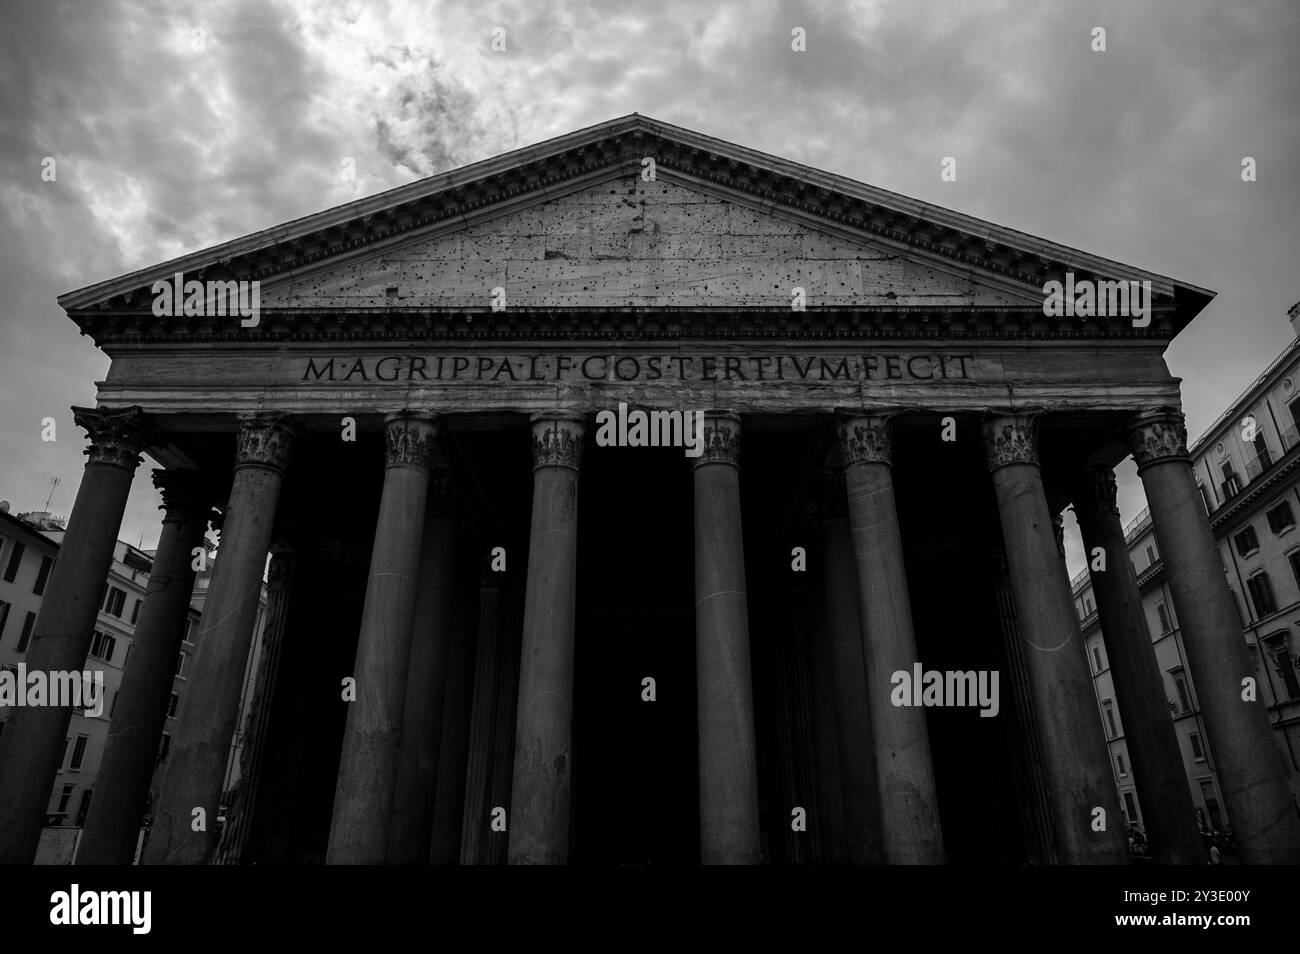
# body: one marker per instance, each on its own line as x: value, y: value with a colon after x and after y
x: 909, y: 808
x: 539, y: 816
x: 33, y: 736
x: 849, y: 673
x: 1149, y: 731
x: 130, y: 755
x: 201, y: 743
x: 1074, y: 749
x: 426, y: 684
x: 363, y: 797
x: 729, y: 823
x: 1251, y: 773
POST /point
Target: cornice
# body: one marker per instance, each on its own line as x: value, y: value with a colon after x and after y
x: 1235, y: 508
x: 622, y: 323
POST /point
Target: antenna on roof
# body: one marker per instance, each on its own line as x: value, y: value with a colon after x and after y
x: 54, y: 482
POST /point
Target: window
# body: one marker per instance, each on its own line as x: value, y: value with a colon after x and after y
x: 112, y: 706
x: 43, y: 575
x: 1131, y: 808
x: 164, y: 746
x: 63, y: 753
x: 1205, y: 498
x: 84, y: 807
x: 172, y: 704
x: 1294, y: 559
x: 135, y: 612
x: 1263, y: 457
x: 78, y: 752
x: 1184, y: 698
x: 1230, y: 486
x: 102, y: 646
x: 15, y: 558
x: 1096, y: 659
x: 1087, y: 606
x: 1109, y: 710
x: 1163, y: 612
x: 1198, y: 753
x: 115, y: 601
x: 4, y: 617
x: 66, y: 796
x: 1119, y: 761
x: 1280, y: 517
x: 1284, y: 664
x: 29, y: 621
x: 1151, y: 556
x: 1247, y: 542
x: 1261, y: 594
x: 180, y: 663
x: 1211, y: 804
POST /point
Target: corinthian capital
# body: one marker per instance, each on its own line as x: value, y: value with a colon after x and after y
x: 1157, y: 435
x: 1011, y: 439
x: 116, y: 437
x: 186, y: 495
x: 1095, y: 491
x: 409, y: 438
x: 721, y: 439
x: 557, y: 441
x: 264, y: 442
x: 865, y: 439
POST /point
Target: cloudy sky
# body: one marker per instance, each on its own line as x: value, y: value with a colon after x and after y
x: 178, y: 125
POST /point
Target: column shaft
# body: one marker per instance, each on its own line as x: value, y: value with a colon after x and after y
x: 60, y: 642
x: 130, y: 755
x: 729, y: 822
x: 856, y: 753
x: 363, y: 797
x: 539, y: 816
x: 909, y: 809
x: 417, y: 769
x: 1148, y: 729
x: 201, y: 743
x: 1077, y: 759
x: 1251, y: 772
x: 453, y: 753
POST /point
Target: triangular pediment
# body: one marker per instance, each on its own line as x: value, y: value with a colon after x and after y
x: 573, y: 224
x: 628, y: 242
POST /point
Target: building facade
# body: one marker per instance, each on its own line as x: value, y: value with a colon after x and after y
x: 852, y: 641
x: 1248, y: 477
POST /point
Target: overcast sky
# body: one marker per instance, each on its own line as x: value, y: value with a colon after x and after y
x: 162, y: 149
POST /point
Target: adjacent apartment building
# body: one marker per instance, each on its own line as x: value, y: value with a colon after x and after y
x: 29, y: 545
x: 1247, y: 465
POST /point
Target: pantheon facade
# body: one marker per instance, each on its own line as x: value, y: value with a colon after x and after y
x: 493, y: 638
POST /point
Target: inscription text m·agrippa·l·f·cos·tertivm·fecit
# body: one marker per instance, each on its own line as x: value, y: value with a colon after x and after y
x: 789, y: 368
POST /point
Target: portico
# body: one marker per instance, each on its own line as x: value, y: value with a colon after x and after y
x: 498, y: 628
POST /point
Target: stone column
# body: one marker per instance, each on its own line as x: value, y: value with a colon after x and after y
x: 1250, y: 768
x: 539, y: 818
x: 363, y: 797
x: 844, y: 628
x: 831, y: 830
x: 33, y: 736
x: 729, y: 824
x: 426, y: 684
x: 1077, y: 759
x: 909, y: 809
x: 453, y: 749
x: 1140, y: 690
x: 201, y: 743
x: 483, y: 724
x: 131, y: 752
x: 239, y: 823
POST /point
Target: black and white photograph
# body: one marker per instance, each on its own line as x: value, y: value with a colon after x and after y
x: 798, y: 434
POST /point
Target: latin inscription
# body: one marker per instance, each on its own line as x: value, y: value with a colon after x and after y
x: 789, y: 368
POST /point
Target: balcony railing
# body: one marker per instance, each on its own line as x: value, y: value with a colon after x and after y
x: 1261, y: 463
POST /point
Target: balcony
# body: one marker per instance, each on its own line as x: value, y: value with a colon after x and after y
x: 1229, y: 488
